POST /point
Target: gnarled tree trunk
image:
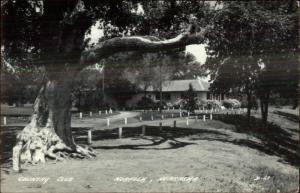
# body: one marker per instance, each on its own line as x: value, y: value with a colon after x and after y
x: 49, y: 132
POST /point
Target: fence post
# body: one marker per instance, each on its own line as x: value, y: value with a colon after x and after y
x: 107, y: 122
x: 80, y: 115
x: 125, y: 120
x: 4, y: 121
x: 204, y: 117
x: 89, y: 137
x: 143, y: 129
x: 120, y: 132
x: 174, y: 123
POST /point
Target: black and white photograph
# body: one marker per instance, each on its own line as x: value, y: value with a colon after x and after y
x: 149, y: 96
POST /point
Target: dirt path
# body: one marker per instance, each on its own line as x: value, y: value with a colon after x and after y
x: 207, y: 156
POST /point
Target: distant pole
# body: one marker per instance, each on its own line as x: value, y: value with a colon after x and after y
x: 160, y: 88
x: 103, y: 76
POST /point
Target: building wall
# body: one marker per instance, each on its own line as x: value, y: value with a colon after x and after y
x: 174, y: 96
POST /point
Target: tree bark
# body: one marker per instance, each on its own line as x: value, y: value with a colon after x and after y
x: 49, y: 133
x: 264, y: 105
x: 249, y: 104
x: 141, y: 43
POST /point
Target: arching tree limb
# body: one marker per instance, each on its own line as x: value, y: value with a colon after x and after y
x: 136, y: 43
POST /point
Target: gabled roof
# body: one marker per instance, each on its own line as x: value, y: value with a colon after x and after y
x: 183, y: 85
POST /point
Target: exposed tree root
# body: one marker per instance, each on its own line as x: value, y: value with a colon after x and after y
x: 37, y: 144
x: 48, y: 135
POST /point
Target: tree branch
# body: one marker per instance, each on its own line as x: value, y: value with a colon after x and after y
x: 140, y: 43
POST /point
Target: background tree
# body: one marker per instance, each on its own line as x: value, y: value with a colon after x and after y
x: 260, y: 33
x: 55, y: 38
x: 191, y: 99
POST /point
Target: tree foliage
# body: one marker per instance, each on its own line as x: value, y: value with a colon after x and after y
x: 252, y: 47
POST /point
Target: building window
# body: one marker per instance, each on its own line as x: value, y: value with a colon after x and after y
x: 157, y: 96
x: 222, y: 96
x: 182, y: 95
x: 166, y: 96
x: 208, y: 96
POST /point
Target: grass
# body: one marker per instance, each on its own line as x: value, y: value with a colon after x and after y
x: 276, y: 140
x: 215, y: 152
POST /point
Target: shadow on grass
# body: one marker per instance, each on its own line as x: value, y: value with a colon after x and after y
x: 275, y: 140
x: 153, y: 134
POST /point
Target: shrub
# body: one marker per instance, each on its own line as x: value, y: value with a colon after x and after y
x: 231, y: 103
x: 146, y: 103
x: 213, y: 104
x: 180, y: 103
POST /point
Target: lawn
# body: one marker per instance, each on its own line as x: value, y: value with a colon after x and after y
x: 206, y: 156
